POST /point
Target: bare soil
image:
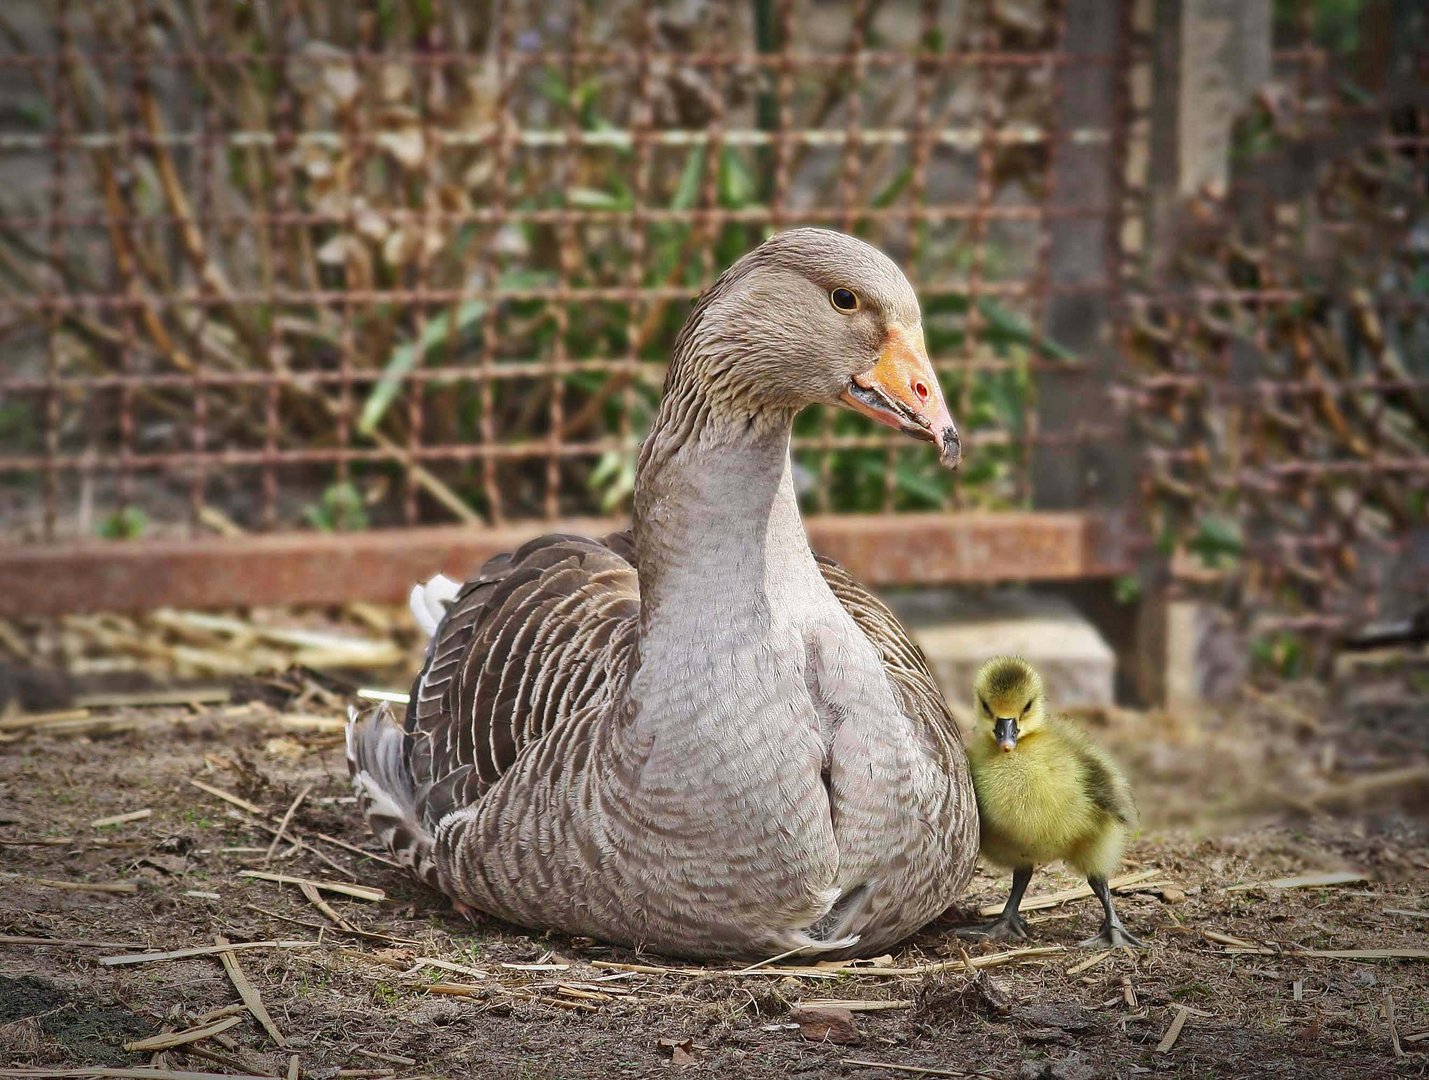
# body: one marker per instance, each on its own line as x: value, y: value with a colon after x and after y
x: 1287, y: 784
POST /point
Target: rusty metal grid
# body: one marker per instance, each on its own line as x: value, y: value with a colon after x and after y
x: 1279, y: 344
x: 293, y: 266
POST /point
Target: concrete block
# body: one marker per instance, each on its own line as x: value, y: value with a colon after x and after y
x: 958, y: 632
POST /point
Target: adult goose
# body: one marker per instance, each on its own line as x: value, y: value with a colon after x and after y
x: 698, y: 737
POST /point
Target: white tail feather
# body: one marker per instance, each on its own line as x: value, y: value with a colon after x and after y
x: 429, y: 602
x: 385, y: 791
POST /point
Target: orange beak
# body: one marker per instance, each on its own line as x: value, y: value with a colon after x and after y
x: 901, y: 391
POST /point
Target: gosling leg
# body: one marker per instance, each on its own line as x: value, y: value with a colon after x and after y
x: 1009, y: 924
x: 1113, y: 934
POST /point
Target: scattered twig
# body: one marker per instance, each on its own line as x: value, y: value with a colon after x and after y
x: 1218, y: 938
x: 251, y: 998
x: 447, y: 965
x: 228, y: 797
x: 100, y: 1072
x: 859, y: 1005
x: 296, y: 838
x: 180, y: 1038
x: 1304, y: 881
x: 1010, y: 956
x: 360, y: 892
x: 1087, y: 965
x: 920, y: 1070
x: 386, y: 939
x: 315, y: 898
x: 1174, y: 1031
x: 121, y: 819
x: 463, y: 990
x: 1333, y: 954
x: 123, y: 888
x: 68, y: 943
x: 1393, y: 1027
x: 202, y: 950
x: 1407, y: 912
x: 195, y: 695
x: 1047, y: 900
x: 772, y: 960
x: 359, y: 851
x: 283, y: 824
x: 30, y: 721
x: 392, y: 1059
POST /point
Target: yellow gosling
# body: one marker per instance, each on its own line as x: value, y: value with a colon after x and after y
x: 1045, y: 793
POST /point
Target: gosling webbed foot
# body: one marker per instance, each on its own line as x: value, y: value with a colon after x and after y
x: 1009, y: 926
x: 1113, y: 936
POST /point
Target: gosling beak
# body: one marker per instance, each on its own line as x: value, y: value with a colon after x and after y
x: 901, y: 390
x: 1004, y: 730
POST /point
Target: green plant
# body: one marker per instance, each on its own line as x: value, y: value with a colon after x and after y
x: 340, y: 509
x: 130, y: 523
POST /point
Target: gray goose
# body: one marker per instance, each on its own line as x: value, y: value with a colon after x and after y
x: 698, y: 737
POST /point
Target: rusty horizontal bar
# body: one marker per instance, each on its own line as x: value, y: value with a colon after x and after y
x: 968, y: 138
x: 562, y: 215
x: 575, y: 294
x: 127, y: 460
x: 948, y: 58
x: 650, y: 371
x: 381, y: 566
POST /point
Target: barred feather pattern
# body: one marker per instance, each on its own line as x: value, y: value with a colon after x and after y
x: 488, y: 791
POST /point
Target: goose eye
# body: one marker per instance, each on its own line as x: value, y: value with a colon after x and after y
x: 1026, y: 707
x: 843, y: 300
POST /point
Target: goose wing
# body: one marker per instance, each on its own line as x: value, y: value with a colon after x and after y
x: 533, y: 640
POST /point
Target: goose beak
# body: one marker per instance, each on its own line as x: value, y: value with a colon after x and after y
x: 901, y: 391
x: 1004, y: 730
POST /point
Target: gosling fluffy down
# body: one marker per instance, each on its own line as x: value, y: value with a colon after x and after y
x: 1045, y: 793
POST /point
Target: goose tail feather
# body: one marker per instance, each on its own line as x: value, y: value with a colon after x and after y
x: 429, y: 602
x: 386, y: 792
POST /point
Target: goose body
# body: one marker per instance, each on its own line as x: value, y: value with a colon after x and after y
x: 697, y: 736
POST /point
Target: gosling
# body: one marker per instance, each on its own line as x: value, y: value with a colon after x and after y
x: 1044, y: 792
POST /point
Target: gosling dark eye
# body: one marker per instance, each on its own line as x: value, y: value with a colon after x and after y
x: 1026, y: 707
x: 844, y: 300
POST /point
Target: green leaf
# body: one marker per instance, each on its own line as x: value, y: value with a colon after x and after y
x: 407, y: 356
x: 737, y: 188
x: 128, y: 524
x: 1127, y: 589
x: 340, y: 509
x: 1005, y: 326
x: 885, y: 198
x: 1216, y: 539
x: 688, y: 189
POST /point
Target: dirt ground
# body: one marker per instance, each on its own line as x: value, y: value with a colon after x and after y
x: 1289, y: 784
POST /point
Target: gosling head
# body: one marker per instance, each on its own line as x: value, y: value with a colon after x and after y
x: 814, y: 316
x: 1009, y: 700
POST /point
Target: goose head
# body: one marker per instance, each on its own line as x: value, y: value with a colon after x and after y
x: 814, y: 316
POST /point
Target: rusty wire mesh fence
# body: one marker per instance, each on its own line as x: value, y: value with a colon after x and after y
x: 1278, y: 344
x: 302, y: 266
x: 295, y: 266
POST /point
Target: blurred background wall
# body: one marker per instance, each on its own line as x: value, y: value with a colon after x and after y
x: 301, y: 301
